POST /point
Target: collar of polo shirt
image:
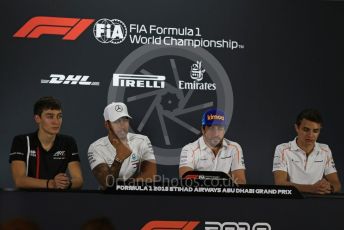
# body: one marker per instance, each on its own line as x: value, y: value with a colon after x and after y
x: 295, y: 147
x: 203, y: 145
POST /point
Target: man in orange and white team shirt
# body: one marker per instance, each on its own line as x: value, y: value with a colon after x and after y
x: 305, y: 163
x: 213, y: 152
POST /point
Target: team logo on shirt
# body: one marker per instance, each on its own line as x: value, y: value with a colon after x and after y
x: 133, y: 157
x: 32, y: 153
x: 59, y: 155
x: 134, y: 161
x: 225, y: 156
x: 91, y: 158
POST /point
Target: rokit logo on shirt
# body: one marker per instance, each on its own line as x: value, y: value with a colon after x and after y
x: 59, y: 155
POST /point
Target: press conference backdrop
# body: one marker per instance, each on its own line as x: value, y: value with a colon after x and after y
x: 261, y: 62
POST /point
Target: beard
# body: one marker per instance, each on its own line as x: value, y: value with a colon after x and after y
x: 215, y: 142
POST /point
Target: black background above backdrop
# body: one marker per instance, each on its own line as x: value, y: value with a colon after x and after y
x: 291, y: 59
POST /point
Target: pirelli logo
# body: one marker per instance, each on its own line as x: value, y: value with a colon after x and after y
x: 69, y: 28
x: 139, y: 81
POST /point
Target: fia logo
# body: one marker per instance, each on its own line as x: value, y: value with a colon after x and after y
x: 197, y: 71
x: 110, y: 31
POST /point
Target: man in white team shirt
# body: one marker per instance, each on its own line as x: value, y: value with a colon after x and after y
x: 305, y: 163
x: 212, y: 152
x: 120, y: 154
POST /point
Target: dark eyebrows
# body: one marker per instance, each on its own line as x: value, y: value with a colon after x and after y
x: 309, y: 129
x: 52, y: 114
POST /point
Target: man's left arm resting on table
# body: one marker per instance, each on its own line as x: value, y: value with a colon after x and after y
x: 75, y: 174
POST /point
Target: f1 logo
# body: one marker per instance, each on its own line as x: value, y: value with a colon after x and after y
x: 71, y: 28
x: 159, y: 224
x: 191, y: 177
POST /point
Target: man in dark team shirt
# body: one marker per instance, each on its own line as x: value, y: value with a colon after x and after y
x: 40, y: 159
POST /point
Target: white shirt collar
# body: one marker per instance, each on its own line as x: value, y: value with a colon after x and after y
x: 294, y: 146
x: 204, y: 146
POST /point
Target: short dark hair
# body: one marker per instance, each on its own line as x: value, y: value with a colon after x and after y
x: 45, y: 103
x: 311, y: 115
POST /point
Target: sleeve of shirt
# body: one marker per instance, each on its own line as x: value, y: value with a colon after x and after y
x: 238, y: 158
x: 18, y: 149
x: 279, y: 163
x: 329, y: 166
x: 73, y: 151
x: 94, y: 158
x: 147, y: 150
x: 186, y: 157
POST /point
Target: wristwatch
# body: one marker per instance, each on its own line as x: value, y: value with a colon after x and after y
x: 118, y: 160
